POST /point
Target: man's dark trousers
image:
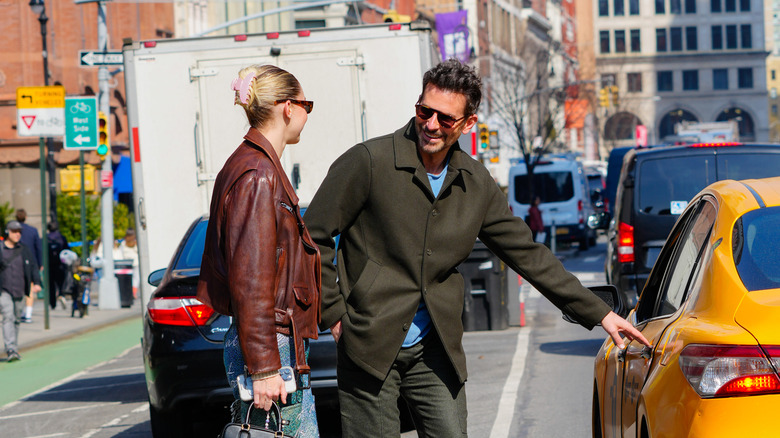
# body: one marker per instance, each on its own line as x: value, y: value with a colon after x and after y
x: 423, y: 375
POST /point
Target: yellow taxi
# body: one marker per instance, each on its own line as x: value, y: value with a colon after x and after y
x: 711, y: 310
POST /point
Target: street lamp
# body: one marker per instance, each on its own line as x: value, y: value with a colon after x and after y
x: 38, y: 8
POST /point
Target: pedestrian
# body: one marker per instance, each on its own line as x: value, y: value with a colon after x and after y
x: 57, y: 270
x: 409, y: 207
x: 535, y: 222
x: 128, y: 249
x: 19, y: 276
x: 259, y: 263
x: 31, y: 240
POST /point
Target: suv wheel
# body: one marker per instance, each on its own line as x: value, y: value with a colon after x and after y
x: 165, y: 424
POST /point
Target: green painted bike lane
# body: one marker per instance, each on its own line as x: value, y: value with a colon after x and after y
x: 42, y: 366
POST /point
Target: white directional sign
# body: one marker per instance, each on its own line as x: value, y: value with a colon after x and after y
x: 81, y: 123
x: 40, y: 111
x: 92, y: 57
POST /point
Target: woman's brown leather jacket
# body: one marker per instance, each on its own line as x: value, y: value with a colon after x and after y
x: 259, y: 262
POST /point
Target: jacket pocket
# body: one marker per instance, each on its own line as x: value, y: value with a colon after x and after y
x: 365, y: 281
x: 303, y: 295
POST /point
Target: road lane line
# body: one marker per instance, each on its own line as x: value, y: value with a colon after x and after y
x: 55, y: 411
x: 506, y: 404
x: 111, y: 423
x: 48, y: 436
x: 119, y: 370
x: 87, y: 388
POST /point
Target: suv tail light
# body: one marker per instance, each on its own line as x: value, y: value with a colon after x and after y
x: 579, y: 210
x: 182, y: 311
x: 731, y: 370
x: 625, y: 244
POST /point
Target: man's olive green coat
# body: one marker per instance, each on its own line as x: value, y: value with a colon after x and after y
x: 399, y: 244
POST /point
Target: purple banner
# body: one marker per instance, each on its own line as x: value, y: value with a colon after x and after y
x: 453, y: 35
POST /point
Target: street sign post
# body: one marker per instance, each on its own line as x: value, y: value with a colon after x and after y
x: 40, y: 111
x: 81, y: 123
x: 92, y: 58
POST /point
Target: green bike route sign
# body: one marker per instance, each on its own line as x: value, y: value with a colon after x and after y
x: 81, y: 123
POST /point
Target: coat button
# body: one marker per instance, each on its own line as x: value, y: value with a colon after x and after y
x: 435, y: 212
x: 428, y: 251
x: 406, y: 327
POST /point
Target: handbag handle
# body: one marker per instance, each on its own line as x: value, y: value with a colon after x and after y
x: 280, y: 424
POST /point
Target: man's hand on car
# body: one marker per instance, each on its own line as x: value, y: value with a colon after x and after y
x: 614, y: 325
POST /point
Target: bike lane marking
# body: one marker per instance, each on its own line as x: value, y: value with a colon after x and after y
x: 73, y: 357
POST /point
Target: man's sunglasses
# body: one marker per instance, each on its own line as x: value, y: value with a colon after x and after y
x: 308, y: 105
x: 425, y: 113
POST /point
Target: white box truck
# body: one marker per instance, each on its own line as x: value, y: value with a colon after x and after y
x: 364, y: 81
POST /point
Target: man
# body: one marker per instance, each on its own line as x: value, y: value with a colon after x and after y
x: 408, y: 208
x: 32, y: 241
x: 19, y: 276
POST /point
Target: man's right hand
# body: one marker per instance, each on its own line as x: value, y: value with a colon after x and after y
x: 335, y: 330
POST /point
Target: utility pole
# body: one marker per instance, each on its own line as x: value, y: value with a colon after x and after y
x: 109, y: 287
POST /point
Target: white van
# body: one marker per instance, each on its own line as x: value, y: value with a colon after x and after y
x: 563, y: 188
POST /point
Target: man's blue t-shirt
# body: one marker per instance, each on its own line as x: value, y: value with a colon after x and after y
x: 421, y: 324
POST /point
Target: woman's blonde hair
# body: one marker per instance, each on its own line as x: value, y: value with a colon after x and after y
x: 270, y: 84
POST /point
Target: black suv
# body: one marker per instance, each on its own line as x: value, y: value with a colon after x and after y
x: 655, y: 186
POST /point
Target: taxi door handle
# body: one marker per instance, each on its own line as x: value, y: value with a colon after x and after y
x: 621, y: 355
x: 647, y: 352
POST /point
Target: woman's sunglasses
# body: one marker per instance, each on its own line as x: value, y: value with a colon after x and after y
x: 425, y: 113
x: 308, y: 105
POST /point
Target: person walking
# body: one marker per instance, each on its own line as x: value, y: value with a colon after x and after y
x: 57, y: 270
x: 260, y: 265
x: 408, y: 207
x: 31, y: 240
x: 19, y: 276
x: 535, y: 222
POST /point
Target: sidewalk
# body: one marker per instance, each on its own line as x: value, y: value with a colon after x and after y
x: 62, y: 326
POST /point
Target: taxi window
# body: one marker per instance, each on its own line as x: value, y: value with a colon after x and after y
x: 755, y: 239
x: 666, y: 184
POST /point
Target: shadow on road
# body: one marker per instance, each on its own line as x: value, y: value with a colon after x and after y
x: 128, y: 388
x: 584, y: 347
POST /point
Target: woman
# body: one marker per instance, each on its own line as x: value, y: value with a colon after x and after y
x: 260, y: 265
x: 535, y: 222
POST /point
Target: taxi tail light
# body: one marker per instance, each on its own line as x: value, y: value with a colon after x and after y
x: 625, y: 246
x: 730, y: 370
x: 183, y: 311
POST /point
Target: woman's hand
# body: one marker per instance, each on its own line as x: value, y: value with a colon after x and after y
x: 267, y: 391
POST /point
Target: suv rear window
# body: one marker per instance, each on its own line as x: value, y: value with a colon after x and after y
x: 192, y: 253
x: 756, y: 237
x: 666, y: 184
x: 748, y: 165
x: 550, y: 186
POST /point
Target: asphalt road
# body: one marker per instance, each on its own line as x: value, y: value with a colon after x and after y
x: 534, y: 381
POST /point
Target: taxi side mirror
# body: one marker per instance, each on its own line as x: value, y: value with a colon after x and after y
x: 610, y: 295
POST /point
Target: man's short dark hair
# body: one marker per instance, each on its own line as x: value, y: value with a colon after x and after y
x: 452, y: 75
x: 21, y: 215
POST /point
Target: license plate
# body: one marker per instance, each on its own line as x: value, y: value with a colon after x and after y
x: 562, y: 230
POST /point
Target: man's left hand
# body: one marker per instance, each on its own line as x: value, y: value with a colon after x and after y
x: 614, y: 325
x: 35, y: 288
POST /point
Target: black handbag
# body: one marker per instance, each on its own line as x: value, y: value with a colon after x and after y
x: 246, y: 430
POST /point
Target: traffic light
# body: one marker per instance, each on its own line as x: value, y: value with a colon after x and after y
x: 604, y: 97
x: 613, y: 90
x: 104, y: 144
x: 484, y: 137
x: 392, y: 16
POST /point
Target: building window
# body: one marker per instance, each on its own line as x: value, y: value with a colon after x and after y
x: 636, y: 44
x: 604, y: 37
x: 665, y: 81
x: 634, y: 82
x: 720, y: 79
x: 608, y: 79
x: 717, y: 37
x: 620, y: 7
x: 715, y: 6
x: 620, y: 41
x: 774, y: 110
x: 633, y: 7
x: 731, y: 36
x: 691, y: 43
x: 744, y: 5
x: 603, y: 8
x: 690, y: 6
x: 690, y: 79
x: 674, y: 7
x: 675, y: 34
x: 309, y: 24
x: 747, y: 36
x: 745, y: 77
x: 659, y: 7
x: 731, y: 5
x: 773, y: 75
x: 660, y: 40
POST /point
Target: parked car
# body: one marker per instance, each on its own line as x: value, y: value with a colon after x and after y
x: 710, y: 310
x: 182, y: 347
x: 563, y: 188
x: 655, y: 186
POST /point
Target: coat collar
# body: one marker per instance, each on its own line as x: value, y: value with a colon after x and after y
x: 406, y: 155
x: 254, y: 138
